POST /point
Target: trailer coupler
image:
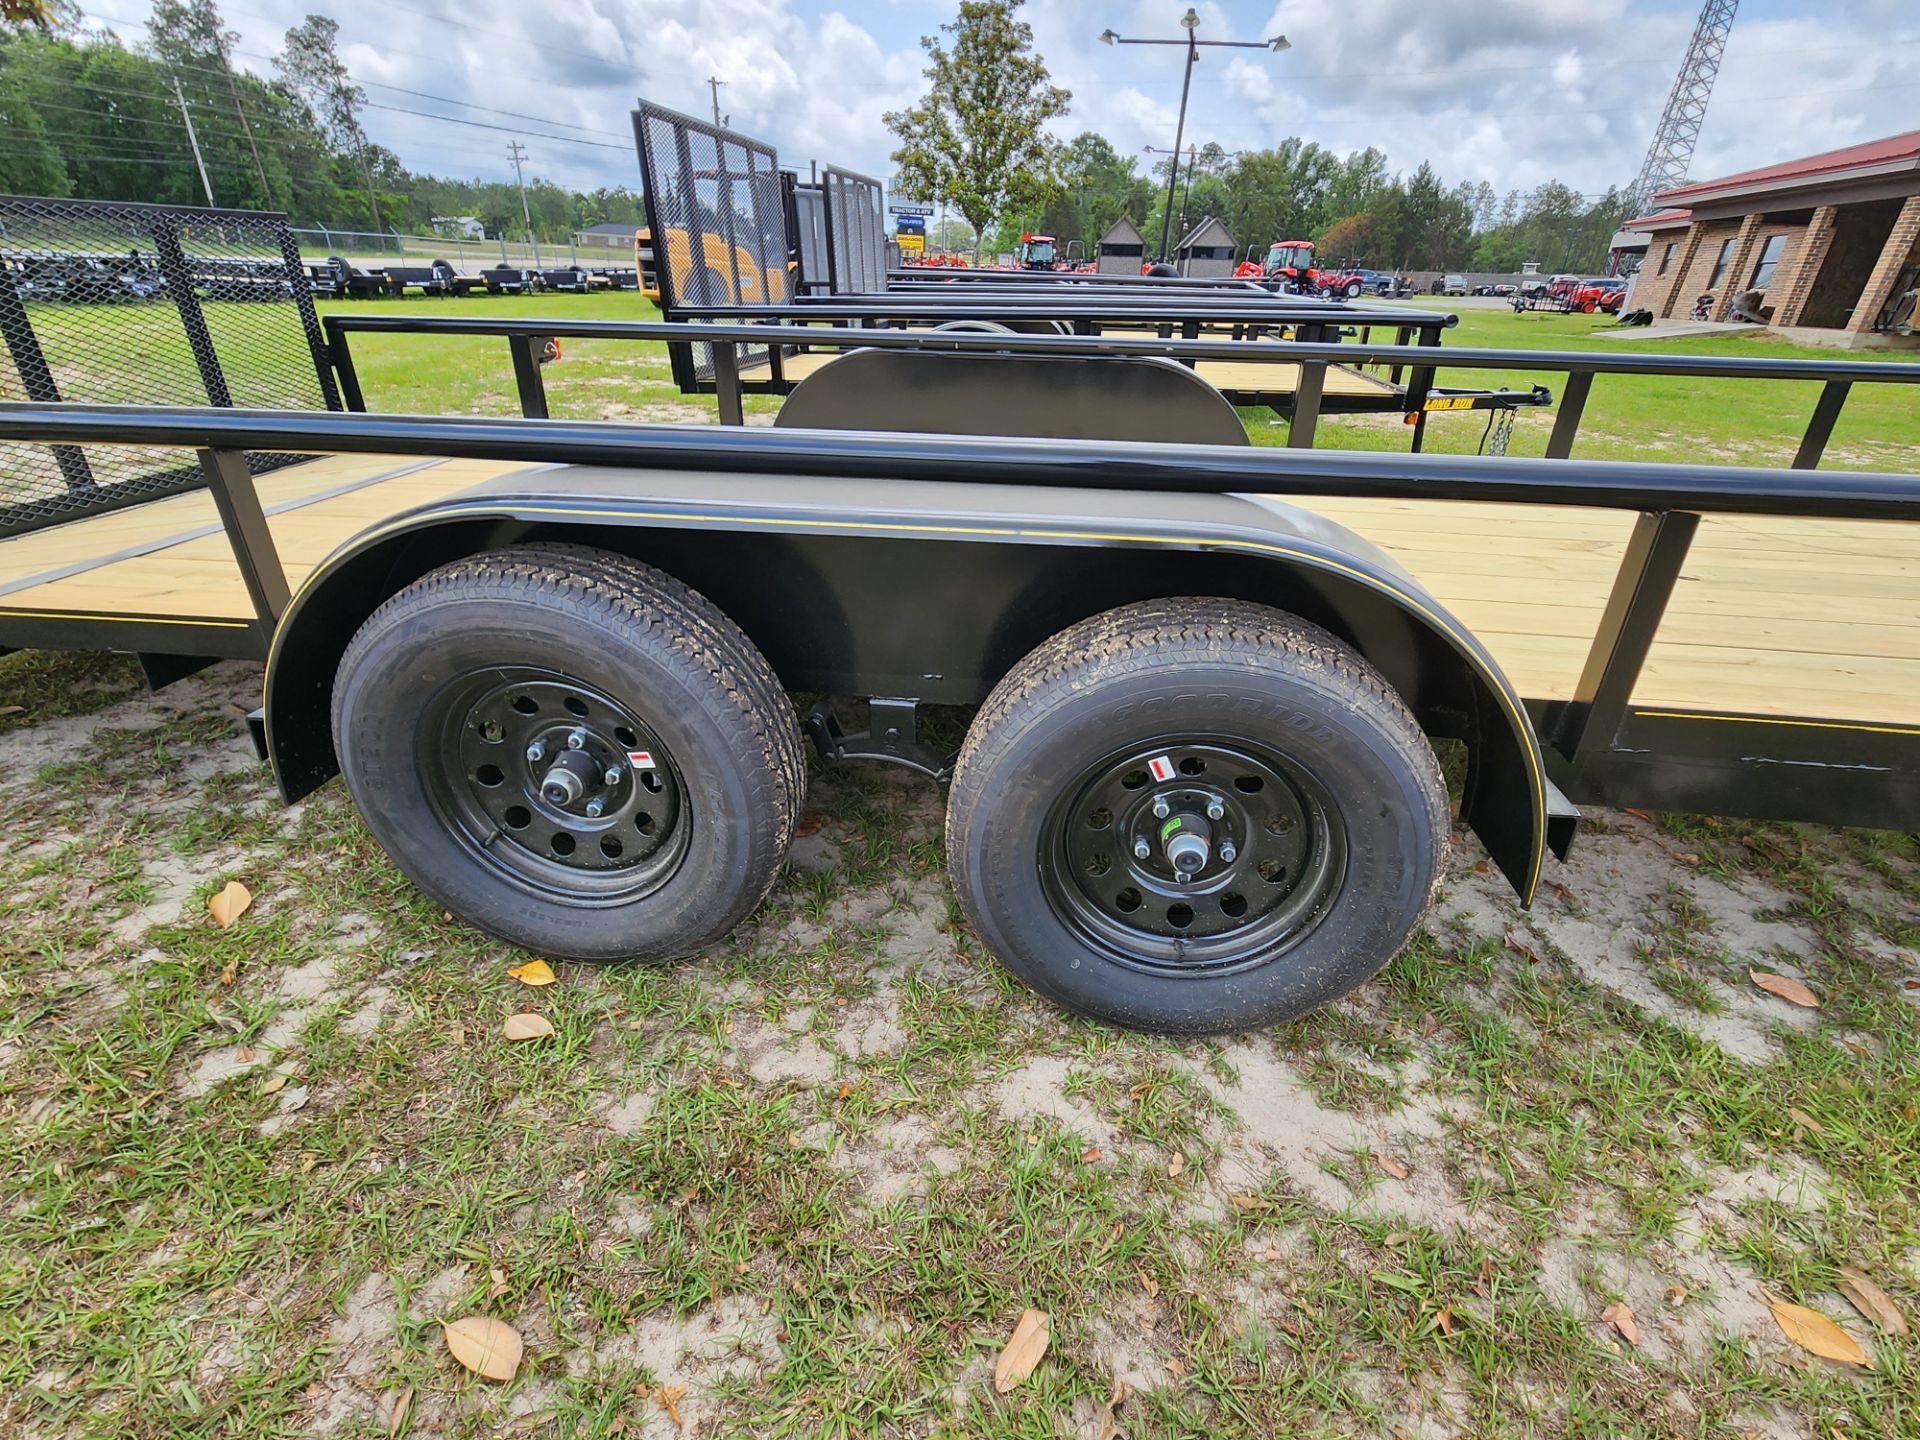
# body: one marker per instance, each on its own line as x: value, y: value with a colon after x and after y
x: 892, y: 733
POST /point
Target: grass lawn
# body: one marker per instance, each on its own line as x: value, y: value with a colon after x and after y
x: 805, y: 1184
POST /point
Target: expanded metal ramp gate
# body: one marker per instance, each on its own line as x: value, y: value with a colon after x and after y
x: 719, y: 222
x: 857, y: 232
x: 104, y: 302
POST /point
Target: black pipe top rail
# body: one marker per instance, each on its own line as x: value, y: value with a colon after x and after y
x: 1103, y: 465
x: 1059, y: 304
x: 1728, y: 367
x: 936, y: 273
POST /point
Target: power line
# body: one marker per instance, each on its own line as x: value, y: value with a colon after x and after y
x: 506, y: 129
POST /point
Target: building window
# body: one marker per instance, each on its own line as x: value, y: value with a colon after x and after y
x: 1769, y: 258
x: 1666, y: 256
x: 1720, y: 264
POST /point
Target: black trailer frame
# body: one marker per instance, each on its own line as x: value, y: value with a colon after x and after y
x: 1598, y: 747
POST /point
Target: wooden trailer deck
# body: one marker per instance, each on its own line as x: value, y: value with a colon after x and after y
x: 1787, y: 617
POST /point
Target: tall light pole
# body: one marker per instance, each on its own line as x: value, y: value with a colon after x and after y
x: 1192, y: 158
x: 1190, y: 22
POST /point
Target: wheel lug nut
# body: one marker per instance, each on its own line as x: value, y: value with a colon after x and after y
x: 612, y: 777
x: 536, y: 752
x: 575, y: 739
x: 1227, y: 853
x: 1160, y: 807
x: 1141, y: 849
x: 597, y: 806
x: 1215, y: 808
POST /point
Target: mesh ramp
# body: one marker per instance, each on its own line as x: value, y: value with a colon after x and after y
x: 105, y: 302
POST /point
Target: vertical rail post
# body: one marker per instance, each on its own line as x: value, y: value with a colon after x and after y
x: 1826, y: 410
x: 341, y: 358
x: 1566, y: 423
x: 527, y: 378
x: 247, y: 532
x: 1306, y: 405
x: 1648, y: 572
x: 726, y: 382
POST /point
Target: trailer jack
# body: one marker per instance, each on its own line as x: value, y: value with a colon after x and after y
x: 892, y: 733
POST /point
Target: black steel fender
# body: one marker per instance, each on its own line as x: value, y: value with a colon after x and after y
x: 933, y: 590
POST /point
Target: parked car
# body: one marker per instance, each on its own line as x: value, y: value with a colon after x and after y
x: 1451, y: 285
x: 1504, y: 289
x: 1600, y: 293
x: 1561, y: 287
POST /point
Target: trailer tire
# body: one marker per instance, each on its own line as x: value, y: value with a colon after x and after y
x: 464, y: 704
x: 1328, y: 791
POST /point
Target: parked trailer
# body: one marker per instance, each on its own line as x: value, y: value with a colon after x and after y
x: 1199, y: 793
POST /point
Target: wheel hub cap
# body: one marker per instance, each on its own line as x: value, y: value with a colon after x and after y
x: 1193, y: 854
x: 568, y: 791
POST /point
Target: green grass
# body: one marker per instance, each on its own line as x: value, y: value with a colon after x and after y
x: 797, y: 1175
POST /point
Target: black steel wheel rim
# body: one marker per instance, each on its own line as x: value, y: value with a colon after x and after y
x: 554, y: 785
x: 1270, y: 845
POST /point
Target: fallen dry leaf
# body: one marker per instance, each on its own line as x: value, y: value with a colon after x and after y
x: 1025, y: 1347
x: 488, y: 1347
x: 1787, y: 988
x: 1176, y: 1165
x: 1090, y: 1155
x: 670, y: 1397
x: 245, y: 1055
x: 1249, y: 1202
x: 1445, y: 1321
x: 807, y: 824
x: 273, y: 1084
x: 6, y: 710
x: 1148, y: 1284
x: 1638, y: 814
x: 1108, y: 1427
x: 1176, y: 1369
x: 1812, y: 1331
x: 534, y: 972
x: 230, y: 904
x: 527, y: 1025
x: 1804, y: 1120
x: 397, y: 1416
x: 1871, y: 1301
x: 1620, y: 1316
x: 1392, y: 1166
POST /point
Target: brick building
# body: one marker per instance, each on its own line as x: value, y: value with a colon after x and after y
x: 1831, y: 241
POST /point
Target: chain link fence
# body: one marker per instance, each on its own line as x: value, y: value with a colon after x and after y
x: 371, y: 249
x: 125, y: 304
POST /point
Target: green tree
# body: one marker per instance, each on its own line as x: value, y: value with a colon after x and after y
x: 190, y: 38
x: 311, y: 64
x: 977, y: 140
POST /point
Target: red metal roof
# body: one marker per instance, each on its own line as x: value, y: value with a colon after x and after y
x: 1888, y: 152
x: 1659, y: 220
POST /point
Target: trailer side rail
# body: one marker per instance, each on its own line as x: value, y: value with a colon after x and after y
x: 524, y: 337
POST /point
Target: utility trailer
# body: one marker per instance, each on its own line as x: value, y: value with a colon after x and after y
x: 1199, y: 792
x: 747, y: 241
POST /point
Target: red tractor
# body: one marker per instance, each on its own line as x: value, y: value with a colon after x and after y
x: 1289, y: 262
x: 1037, y: 252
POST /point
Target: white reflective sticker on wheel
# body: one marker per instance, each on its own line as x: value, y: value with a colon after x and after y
x: 1161, y: 766
x: 640, y: 759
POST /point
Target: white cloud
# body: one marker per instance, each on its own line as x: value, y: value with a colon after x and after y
x: 1510, y: 91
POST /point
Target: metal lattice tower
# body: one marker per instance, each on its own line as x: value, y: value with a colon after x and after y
x: 1674, y: 138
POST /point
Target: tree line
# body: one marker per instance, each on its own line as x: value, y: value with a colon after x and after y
x: 87, y: 116
x: 980, y: 141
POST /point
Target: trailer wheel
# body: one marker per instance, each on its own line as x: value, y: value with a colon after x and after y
x: 1195, y: 816
x: 571, y: 750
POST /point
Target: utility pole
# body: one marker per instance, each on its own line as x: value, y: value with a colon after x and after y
x: 1190, y: 22
x: 266, y: 193
x: 519, y: 153
x: 194, y: 141
x: 714, y: 82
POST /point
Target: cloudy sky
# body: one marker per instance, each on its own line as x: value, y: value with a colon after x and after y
x: 1509, y: 91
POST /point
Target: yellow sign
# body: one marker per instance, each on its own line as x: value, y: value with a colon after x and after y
x: 912, y: 244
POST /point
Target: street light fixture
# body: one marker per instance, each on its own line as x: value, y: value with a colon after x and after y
x: 1190, y: 22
